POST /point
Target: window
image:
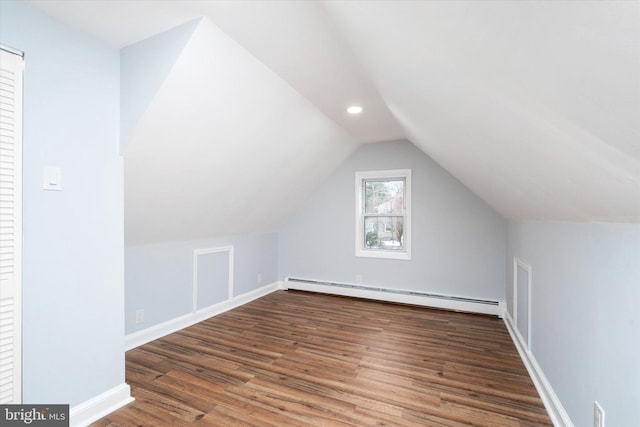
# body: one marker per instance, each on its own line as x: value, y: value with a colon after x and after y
x: 383, y: 214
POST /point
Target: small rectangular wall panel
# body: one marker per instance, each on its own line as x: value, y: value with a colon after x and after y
x: 522, y: 294
x: 213, y: 277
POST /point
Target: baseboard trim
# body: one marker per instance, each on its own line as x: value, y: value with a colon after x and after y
x: 103, y: 404
x: 549, y: 398
x: 404, y: 298
x: 144, y: 336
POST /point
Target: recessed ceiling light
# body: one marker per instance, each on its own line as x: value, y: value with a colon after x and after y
x: 354, y: 109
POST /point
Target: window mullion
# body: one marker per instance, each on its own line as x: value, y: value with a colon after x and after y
x: 384, y: 215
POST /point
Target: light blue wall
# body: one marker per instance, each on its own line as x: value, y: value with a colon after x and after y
x: 585, y: 313
x: 159, y: 277
x: 73, y: 240
x: 458, y: 242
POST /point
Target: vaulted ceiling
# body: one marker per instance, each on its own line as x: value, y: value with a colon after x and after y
x: 235, y: 114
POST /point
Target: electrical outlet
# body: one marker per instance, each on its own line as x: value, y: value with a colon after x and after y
x: 139, y: 316
x: 259, y: 278
x: 598, y: 415
x: 359, y: 279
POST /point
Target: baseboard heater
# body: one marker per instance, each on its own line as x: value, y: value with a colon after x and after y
x: 451, y: 302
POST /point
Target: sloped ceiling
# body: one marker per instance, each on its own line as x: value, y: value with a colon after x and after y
x: 224, y: 147
x: 144, y: 66
x: 535, y: 106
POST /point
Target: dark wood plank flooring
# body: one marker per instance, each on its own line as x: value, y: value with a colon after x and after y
x: 296, y: 359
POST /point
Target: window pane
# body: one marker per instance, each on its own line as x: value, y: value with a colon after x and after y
x: 384, y: 197
x: 384, y: 233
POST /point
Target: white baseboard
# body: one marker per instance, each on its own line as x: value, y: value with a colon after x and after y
x: 551, y: 402
x: 93, y: 409
x: 405, y: 298
x: 160, y: 330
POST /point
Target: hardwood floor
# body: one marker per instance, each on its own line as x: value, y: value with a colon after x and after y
x: 296, y: 358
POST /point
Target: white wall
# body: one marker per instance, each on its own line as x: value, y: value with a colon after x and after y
x: 144, y: 67
x: 225, y: 146
x: 73, y: 240
x: 458, y: 242
x: 585, y: 313
x: 159, y: 277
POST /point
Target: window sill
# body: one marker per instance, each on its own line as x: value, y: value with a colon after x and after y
x: 382, y: 254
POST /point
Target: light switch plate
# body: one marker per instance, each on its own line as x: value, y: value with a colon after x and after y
x: 52, y: 178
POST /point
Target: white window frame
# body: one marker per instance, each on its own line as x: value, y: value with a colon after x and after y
x: 361, y: 251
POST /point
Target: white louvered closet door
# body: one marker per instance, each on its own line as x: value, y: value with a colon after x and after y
x: 11, y: 70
